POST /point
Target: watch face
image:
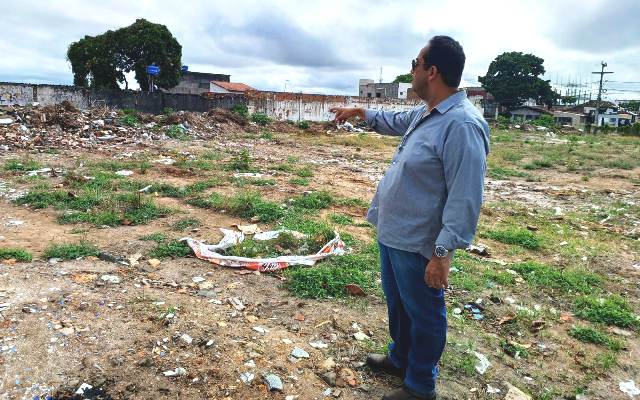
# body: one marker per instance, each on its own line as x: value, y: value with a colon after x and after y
x: 441, y: 251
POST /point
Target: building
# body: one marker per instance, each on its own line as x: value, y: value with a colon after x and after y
x: 228, y: 87
x: 483, y: 101
x: 197, y: 82
x: 528, y: 113
x: 567, y: 117
x: 393, y: 90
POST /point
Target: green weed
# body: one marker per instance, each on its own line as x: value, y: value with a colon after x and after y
x: 613, y: 310
x: 7, y: 253
x: 515, y: 236
x: 70, y: 251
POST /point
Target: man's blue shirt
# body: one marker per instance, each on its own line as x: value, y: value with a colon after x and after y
x: 432, y: 192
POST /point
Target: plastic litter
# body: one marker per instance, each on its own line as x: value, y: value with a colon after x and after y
x: 210, y: 252
x: 629, y: 388
x: 483, y: 363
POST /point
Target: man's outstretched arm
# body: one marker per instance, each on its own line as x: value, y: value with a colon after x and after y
x: 393, y: 123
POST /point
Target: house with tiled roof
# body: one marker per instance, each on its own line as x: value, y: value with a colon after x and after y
x: 228, y: 87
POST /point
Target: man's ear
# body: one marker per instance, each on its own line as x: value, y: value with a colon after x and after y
x: 433, y: 72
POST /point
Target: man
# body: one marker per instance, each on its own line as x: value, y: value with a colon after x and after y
x: 426, y: 206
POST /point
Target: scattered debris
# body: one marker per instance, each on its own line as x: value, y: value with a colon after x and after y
x: 514, y: 393
x: 110, y: 278
x: 297, y: 352
x: 360, y: 336
x: 247, y: 377
x: 483, y: 363
x: 274, y: 383
x: 629, y: 388
x: 175, y: 372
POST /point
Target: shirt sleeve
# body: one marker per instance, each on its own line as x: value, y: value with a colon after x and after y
x: 464, y: 155
x: 394, y: 123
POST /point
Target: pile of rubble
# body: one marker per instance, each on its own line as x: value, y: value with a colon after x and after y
x: 63, y: 125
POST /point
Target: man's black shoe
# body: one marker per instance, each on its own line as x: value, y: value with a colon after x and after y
x: 405, y: 394
x: 382, y: 363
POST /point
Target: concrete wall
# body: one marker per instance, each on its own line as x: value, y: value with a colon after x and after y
x: 23, y: 94
x: 278, y: 105
x: 315, y: 107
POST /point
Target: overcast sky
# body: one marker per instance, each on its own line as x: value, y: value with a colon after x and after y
x: 326, y: 46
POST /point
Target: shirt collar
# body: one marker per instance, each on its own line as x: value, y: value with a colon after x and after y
x: 451, y: 101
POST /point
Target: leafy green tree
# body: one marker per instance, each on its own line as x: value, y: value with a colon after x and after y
x: 632, y: 105
x: 404, y: 78
x: 514, y: 77
x: 568, y: 99
x: 102, y: 61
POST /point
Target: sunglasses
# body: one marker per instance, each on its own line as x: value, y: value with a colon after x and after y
x: 414, y: 63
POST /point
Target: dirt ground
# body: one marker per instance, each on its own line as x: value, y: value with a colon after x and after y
x: 63, y: 325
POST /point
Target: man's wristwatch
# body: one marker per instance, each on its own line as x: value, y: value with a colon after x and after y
x: 441, y: 252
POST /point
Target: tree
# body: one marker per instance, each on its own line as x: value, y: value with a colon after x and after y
x: 102, y: 61
x: 514, y: 77
x: 404, y: 78
x: 568, y: 99
x: 631, y: 105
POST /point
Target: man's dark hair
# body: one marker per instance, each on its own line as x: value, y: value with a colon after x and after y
x: 447, y: 55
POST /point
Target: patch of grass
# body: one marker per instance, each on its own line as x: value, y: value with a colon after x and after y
x: 293, y: 159
x: 97, y: 218
x: 241, y: 182
x: 241, y: 162
x: 8, y: 253
x: 305, y: 172
x: 590, y: 335
x: 538, y: 164
x: 314, y: 201
x: 177, y: 132
x: 500, y: 277
x: 43, y: 198
x: 515, y: 236
x: 24, y: 165
x: 606, y: 360
x: 211, y: 155
x: 341, y: 219
x: 155, y: 237
x: 266, y: 135
x: 283, y: 168
x: 244, y: 205
x: 186, y: 223
x: 329, y: 278
x: 504, y: 173
x: 260, y: 118
x: 201, y: 186
x: 173, y: 248
x: 514, y: 349
x: 545, y: 276
x: 619, y: 164
x: 613, y: 310
x: 353, y: 202
x: 303, y: 125
x: 299, y: 181
x: 70, y: 251
x: 459, y: 361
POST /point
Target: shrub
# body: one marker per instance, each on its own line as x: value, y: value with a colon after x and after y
x: 303, y: 125
x: 260, y: 118
x: 240, y: 109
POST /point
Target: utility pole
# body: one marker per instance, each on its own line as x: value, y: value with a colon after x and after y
x: 602, y: 72
x: 380, y: 75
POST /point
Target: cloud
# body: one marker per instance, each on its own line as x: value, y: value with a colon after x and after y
x: 327, y: 46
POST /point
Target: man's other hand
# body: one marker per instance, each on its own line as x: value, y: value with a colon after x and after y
x: 436, y: 274
x: 344, y: 113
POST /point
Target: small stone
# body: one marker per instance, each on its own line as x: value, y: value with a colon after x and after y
x: 186, y: 338
x: 274, y: 383
x: 247, y: 377
x: 360, y: 336
x: 175, y: 372
x: 260, y: 329
x: 299, y: 353
x: 328, y: 364
x: 318, y: 345
x: 110, y: 278
x: 154, y: 262
x: 198, y: 279
x: 329, y: 378
x: 67, y: 331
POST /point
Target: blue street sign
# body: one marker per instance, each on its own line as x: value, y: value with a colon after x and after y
x: 185, y: 68
x: 153, y: 70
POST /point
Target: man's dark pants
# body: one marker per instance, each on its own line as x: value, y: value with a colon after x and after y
x: 417, y: 318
